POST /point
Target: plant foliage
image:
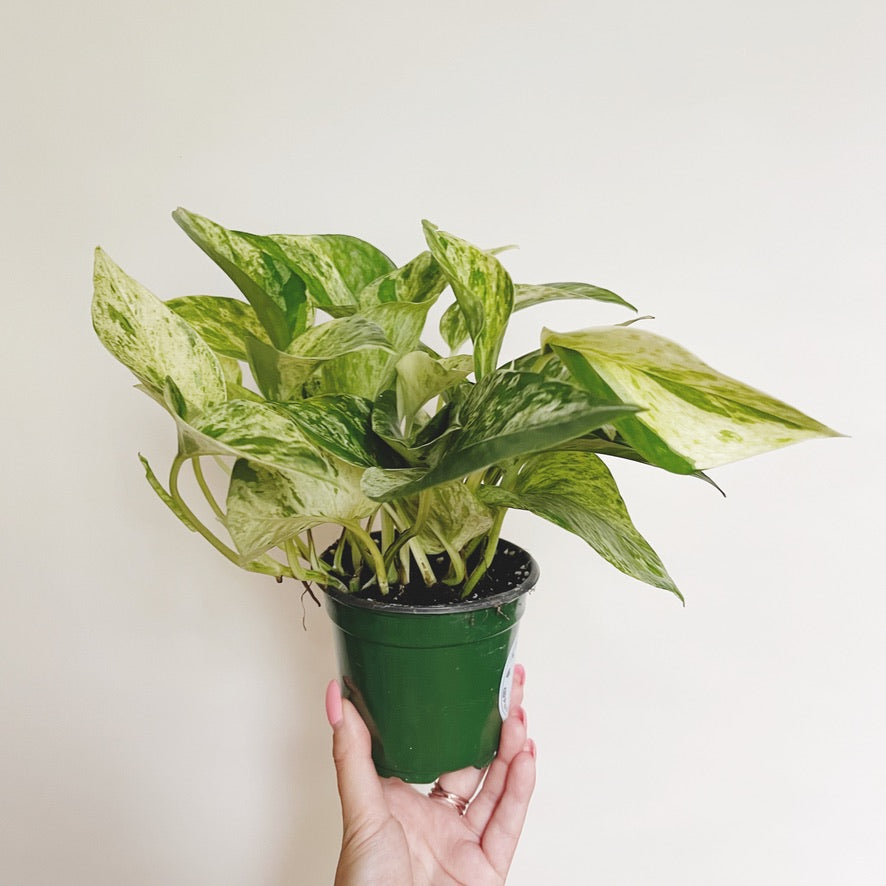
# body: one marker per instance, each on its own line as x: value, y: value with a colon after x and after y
x: 352, y: 419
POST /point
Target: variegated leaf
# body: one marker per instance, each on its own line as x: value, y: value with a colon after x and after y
x: 505, y: 415
x: 257, y: 431
x: 691, y: 411
x: 368, y: 373
x: 335, y: 266
x: 420, y: 280
x: 576, y: 491
x: 151, y: 340
x: 258, y: 268
x: 455, y: 331
x: 456, y: 515
x: 265, y: 507
x: 223, y: 323
x: 281, y: 375
x: 340, y: 424
x: 420, y: 377
x: 484, y: 291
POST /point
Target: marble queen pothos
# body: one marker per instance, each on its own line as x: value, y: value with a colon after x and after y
x: 317, y: 395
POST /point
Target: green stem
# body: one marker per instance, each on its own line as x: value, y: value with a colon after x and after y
x: 217, y: 543
x: 204, y: 488
x: 488, y: 553
x: 371, y: 548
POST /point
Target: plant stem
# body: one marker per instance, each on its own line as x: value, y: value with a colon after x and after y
x: 371, y: 548
x: 488, y: 553
x: 217, y: 543
x: 204, y: 488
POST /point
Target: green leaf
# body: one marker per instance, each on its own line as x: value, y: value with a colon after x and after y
x: 420, y: 377
x: 694, y: 417
x: 455, y: 331
x: 505, y: 415
x: 281, y: 375
x: 341, y: 425
x: 455, y: 514
x: 368, y: 373
x: 163, y: 495
x: 265, y: 507
x: 420, y: 280
x: 259, y: 270
x: 484, y: 291
x: 576, y: 491
x: 335, y: 266
x: 223, y: 323
x: 257, y: 431
x: 528, y: 294
x: 151, y: 340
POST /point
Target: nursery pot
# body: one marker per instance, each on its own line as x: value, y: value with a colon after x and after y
x: 432, y: 683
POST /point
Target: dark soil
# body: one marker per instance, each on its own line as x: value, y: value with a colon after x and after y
x: 510, y: 568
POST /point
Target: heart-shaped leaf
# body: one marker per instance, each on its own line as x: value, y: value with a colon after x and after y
x: 420, y: 377
x: 223, y: 323
x: 259, y: 270
x: 151, y: 340
x: 576, y: 491
x: 420, y: 280
x: 265, y: 507
x: 455, y: 331
x: 694, y: 417
x: 505, y: 415
x: 484, y: 291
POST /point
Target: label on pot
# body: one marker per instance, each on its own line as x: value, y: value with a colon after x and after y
x: 507, y: 680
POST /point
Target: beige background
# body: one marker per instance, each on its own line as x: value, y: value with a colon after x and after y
x: 718, y: 164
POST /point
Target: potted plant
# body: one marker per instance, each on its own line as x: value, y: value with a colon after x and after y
x: 348, y: 417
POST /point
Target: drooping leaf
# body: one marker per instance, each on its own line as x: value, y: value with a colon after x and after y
x: 576, y: 491
x: 258, y: 268
x: 335, y: 266
x: 340, y: 424
x: 505, y: 415
x: 223, y: 323
x: 281, y: 375
x: 484, y: 291
x: 420, y: 377
x: 694, y: 417
x: 257, y: 431
x: 151, y: 340
x: 420, y: 280
x: 455, y: 331
x: 265, y: 507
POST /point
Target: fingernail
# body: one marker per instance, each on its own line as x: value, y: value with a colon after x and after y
x: 532, y: 748
x: 520, y: 674
x: 521, y: 715
x: 333, y: 703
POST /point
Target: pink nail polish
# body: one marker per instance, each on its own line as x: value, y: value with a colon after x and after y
x: 333, y: 703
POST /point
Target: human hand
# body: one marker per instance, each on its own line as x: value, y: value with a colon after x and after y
x: 395, y: 836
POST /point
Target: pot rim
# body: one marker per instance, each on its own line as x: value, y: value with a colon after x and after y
x: 491, y: 602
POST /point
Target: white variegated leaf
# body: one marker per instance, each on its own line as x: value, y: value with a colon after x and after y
x: 265, y: 507
x: 420, y: 280
x: 151, y: 340
x: 576, y: 491
x: 421, y: 377
x: 704, y: 417
x: 223, y: 323
x: 484, y: 291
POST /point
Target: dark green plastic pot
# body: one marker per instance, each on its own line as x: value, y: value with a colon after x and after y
x: 432, y: 683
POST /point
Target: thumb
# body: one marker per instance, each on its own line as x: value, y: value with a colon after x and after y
x: 362, y: 798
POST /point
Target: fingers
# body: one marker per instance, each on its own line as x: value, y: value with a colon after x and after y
x: 499, y: 840
x: 362, y: 800
x: 513, y: 741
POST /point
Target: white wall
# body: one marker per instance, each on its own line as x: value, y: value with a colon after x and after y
x: 719, y: 164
